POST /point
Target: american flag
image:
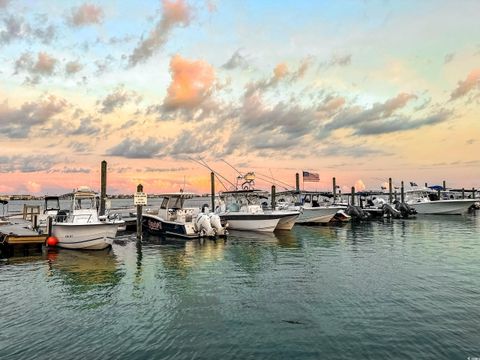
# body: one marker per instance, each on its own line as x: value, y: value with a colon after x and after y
x: 312, y: 177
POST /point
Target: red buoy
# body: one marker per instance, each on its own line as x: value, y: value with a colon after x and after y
x: 52, y: 241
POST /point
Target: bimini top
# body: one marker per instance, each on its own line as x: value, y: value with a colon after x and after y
x: 51, y: 197
x: 84, y: 192
x: 305, y: 192
x: 244, y: 192
x: 181, y: 194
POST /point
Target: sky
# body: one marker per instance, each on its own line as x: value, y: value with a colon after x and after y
x: 359, y: 90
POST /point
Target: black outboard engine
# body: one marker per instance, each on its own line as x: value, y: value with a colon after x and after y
x: 357, y: 213
x: 405, y: 209
x: 390, y: 211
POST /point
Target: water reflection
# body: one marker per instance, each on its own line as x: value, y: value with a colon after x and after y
x: 85, y: 273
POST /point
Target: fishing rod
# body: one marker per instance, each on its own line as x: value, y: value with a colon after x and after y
x: 279, y: 181
x: 218, y: 174
x: 215, y: 172
x: 225, y: 161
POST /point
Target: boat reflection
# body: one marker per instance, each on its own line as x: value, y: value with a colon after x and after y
x: 180, y: 256
x: 82, y: 273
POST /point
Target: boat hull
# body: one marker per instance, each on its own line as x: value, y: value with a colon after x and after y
x: 443, y: 207
x: 96, y: 236
x: 320, y: 215
x: 155, y: 225
x: 287, y: 220
x: 251, y: 222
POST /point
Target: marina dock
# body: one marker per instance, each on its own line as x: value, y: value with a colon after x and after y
x: 17, y: 235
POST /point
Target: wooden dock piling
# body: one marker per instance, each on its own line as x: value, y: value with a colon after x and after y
x: 444, y: 185
x: 139, y: 215
x: 334, y: 184
x: 103, y: 187
x: 463, y: 193
x: 297, y: 182
x: 390, y: 190
x: 402, y: 193
x: 273, y: 195
x: 212, y: 189
x: 473, y: 193
x: 352, y: 196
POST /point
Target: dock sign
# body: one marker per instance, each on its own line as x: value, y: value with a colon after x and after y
x: 140, y: 198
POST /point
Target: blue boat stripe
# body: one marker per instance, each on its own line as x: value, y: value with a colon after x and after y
x: 83, y: 241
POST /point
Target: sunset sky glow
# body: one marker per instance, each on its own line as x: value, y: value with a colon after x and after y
x: 359, y: 90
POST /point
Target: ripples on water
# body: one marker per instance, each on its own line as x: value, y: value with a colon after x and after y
x: 401, y: 289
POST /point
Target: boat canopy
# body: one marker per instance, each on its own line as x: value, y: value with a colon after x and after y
x: 245, y: 192
x: 186, y: 195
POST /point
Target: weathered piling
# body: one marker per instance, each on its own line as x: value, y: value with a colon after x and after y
x: 212, y: 189
x: 334, y: 184
x: 273, y: 195
x: 426, y: 185
x: 103, y: 187
x: 352, y: 196
x: 49, y: 226
x: 139, y: 215
x: 390, y: 190
x: 402, y: 193
x: 297, y: 182
x: 473, y: 193
x: 463, y: 193
x: 444, y: 185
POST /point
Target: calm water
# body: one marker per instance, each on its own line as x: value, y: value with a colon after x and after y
x: 380, y: 290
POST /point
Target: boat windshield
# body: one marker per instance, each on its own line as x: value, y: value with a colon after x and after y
x: 52, y: 204
x: 85, y: 203
x: 172, y: 203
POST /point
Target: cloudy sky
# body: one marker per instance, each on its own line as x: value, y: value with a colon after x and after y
x: 360, y: 90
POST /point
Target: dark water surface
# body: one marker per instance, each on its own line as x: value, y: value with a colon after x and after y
x: 380, y: 290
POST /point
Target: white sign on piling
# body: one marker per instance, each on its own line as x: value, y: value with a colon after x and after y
x: 140, y: 198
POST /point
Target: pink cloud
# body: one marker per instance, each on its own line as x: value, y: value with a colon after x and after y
x: 192, y: 83
x: 470, y: 83
x: 87, y: 14
x: 280, y: 71
x: 175, y: 13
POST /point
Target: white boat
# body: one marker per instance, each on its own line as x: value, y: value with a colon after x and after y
x: 312, y: 209
x: 242, y: 211
x: 81, y: 228
x: 172, y: 218
x: 426, y: 201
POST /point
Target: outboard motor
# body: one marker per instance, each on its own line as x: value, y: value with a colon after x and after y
x: 202, y: 222
x: 216, y: 224
x: 389, y: 211
x: 357, y: 213
x: 405, y: 209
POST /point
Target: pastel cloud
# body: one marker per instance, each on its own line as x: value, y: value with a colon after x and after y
x: 73, y: 67
x: 465, y: 86
x: 136, y: 148
x: 192, y: 83
x: 175, y: 13
x: 42, y: 66
x: 17, y: 123
x: 117, y: 99
x: 280, y: 71
x: 86, y: 14
x: 236, y: 61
